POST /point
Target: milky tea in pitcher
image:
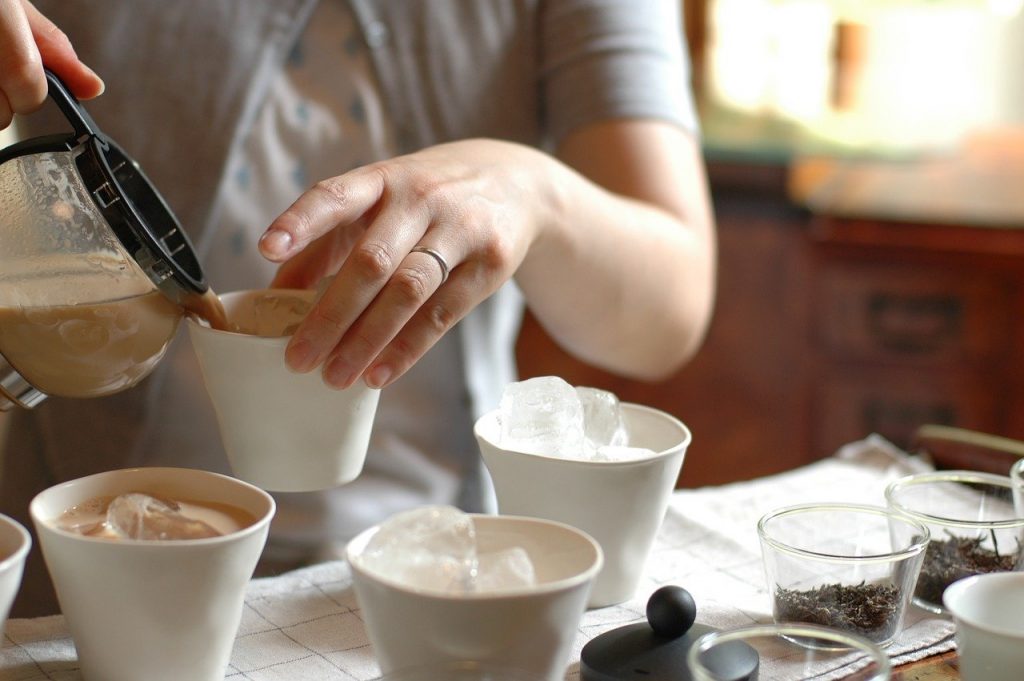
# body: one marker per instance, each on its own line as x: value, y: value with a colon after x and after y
x: 95, y: 271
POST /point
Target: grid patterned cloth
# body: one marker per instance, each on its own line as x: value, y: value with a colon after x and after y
x: 306, y: 625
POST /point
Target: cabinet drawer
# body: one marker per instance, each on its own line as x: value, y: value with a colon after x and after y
x: 926, y: 315
x: 852, y: 402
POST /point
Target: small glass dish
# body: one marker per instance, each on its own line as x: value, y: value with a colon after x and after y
x: 850, y: 567
x: 786, y: 652
x: 974, y: 527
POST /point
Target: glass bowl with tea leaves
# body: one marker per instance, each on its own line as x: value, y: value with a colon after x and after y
x: 851, y: 567
x: 975, y: 528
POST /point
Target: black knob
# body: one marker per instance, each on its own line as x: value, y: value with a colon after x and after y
x: 671, y: 611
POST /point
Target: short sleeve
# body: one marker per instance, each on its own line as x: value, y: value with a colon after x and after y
x: 604, y: 59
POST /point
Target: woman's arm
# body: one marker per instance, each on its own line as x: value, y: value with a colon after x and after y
x: 622, y: 274
x: 624, y: 277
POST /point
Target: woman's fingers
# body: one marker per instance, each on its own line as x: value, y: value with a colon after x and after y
x: 338, y: 201
x: 434, y: 318
x: 6, y: 113
x: 29, y: 41
x: 367, y: 269
x: 21, y: 69
x: 415, y: 285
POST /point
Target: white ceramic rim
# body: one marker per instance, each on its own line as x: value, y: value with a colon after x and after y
x: 1017, y: 472
x: 23, y: 548
x: 165, y: 544
x: 914, y: 549
x: 854, y: 642
x: 972, y: 477
x: 957, y: 588
x: 202, y: 327
x: 496, y: 594
x: 681, y: 445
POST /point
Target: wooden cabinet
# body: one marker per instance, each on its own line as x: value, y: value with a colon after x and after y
x: 913, y: 324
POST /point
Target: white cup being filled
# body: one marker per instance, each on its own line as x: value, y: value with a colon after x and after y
x: 621, y: 503
x: 282, y: 431
x: 987, y: 610
x: 161, y: 598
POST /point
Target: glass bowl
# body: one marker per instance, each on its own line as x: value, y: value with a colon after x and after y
x: 850, y: 567
x: 788, y: 651
x: 974, y: 527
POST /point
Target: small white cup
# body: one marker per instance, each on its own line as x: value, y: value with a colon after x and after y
x: 282, y: 431
x: 15, y: 542
x: 619, y: 503
x: 987, y: 610
x: 524, y: 630
x: 147, y: 609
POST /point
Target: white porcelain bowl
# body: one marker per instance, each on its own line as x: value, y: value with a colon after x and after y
x: 527, y: 629
x: 150, y: 609
x: 619, y: 503
x: 988, y: 611
x: 14, y: 545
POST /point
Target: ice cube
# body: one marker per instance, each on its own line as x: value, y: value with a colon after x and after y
x: 542, y: 416
x: 140, y: 516
x: 433, y: 548
x: 505, y: 569
x: 619, y: 453
x: 602, y: 418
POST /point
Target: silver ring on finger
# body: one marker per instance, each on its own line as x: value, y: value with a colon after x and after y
x: 441, y: 262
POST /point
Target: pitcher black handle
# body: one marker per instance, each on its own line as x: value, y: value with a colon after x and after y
x: 72, y: 109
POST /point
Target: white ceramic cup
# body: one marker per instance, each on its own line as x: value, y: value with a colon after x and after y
x: 526, y: 629
x: 621, y: 504
x: 14, y: 545
x: 282, y: 431
x: 988, y: 611
x: 147, y: 609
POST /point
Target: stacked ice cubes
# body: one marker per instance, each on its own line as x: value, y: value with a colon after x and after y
x: 434, y: 548
x: 547, y: 416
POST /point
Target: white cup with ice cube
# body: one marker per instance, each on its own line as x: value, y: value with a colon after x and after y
x: 437, y: 586
x: 282, y: 431
x: 14, y: 545
x: 580, y: 457
x: 159, y: 609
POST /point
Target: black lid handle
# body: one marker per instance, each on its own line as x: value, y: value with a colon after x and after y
x: 76, y: 114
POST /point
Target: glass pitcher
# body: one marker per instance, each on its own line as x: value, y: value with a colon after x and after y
x: 94, y: 267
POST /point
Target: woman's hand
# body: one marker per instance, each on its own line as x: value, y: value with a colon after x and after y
x: 28, y: 41
x: 417, y: 242
x: 612, y: 245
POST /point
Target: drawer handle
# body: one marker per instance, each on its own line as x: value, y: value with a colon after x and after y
x: 914, y: 324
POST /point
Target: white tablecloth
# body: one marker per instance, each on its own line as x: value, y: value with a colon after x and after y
x: 306, y: 625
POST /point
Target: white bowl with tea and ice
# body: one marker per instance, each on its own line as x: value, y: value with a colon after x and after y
x: 438, y: 585
x: 282, y: 431
x: 151, y: 567
x: 578, y: 456
x: 14, y: 545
